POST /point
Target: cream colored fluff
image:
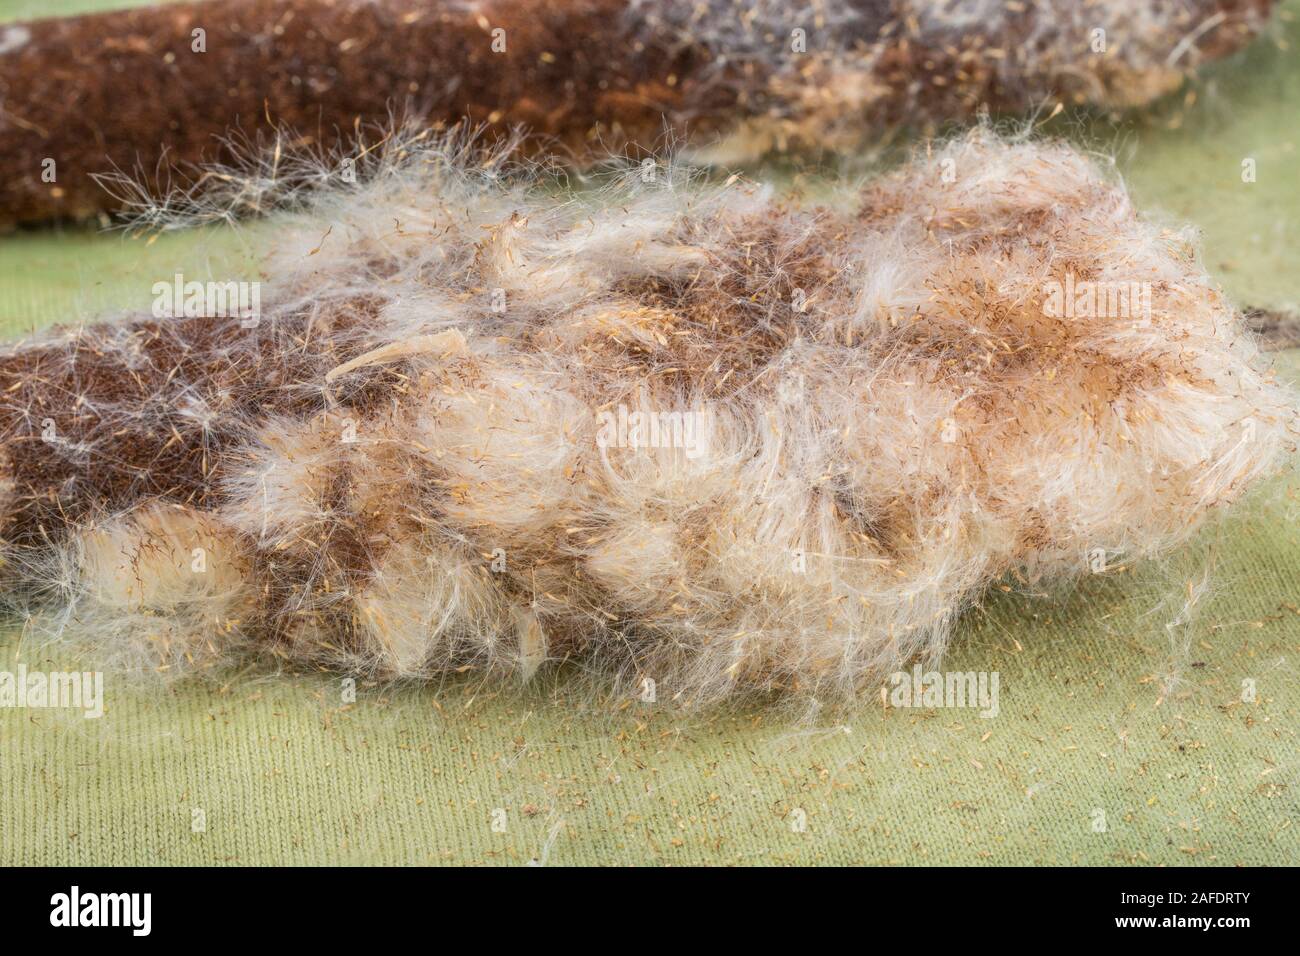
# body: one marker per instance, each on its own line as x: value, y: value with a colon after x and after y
x: 887, y: 421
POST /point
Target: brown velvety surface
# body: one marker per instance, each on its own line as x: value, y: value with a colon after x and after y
x: 127, y: 90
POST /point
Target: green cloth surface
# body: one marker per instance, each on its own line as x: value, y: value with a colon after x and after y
x: 1116, y: 707
x: 39, y: 9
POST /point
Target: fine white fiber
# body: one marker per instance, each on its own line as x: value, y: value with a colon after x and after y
x: 673, y: 429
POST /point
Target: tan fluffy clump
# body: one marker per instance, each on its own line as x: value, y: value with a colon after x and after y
x: 683, y: 432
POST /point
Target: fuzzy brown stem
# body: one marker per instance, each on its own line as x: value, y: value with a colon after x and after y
x: 128, y: 90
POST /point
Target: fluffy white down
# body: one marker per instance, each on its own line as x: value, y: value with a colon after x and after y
x: 887, y: 420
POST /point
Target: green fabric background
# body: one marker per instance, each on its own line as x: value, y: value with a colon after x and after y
x: 1108, y: 702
